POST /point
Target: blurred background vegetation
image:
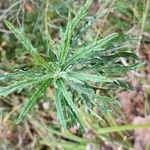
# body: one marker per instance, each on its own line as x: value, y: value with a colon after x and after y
x: 41, y: 21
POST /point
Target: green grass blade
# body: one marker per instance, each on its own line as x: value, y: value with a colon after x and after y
x: 122, y: 128
x: 33, y: 100
x: 50, y: 130
x: 64, y: 145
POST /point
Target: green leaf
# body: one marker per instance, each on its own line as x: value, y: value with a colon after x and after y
x: 65, y: 43
x: 90, y: 94
x: 22, y: 83
x: 90, y: 77
x: 104, y: 44
x: 81, y: 13
x: 33, y: 100
x: 27, y: 44
x: 20, y: 74
x: 117, y: 68
x: 105, y: 59
x: 83, y: 89
x: 123, y: 85
x: 17, y: 86
x: 85, y: 51
x: 85, y: 93
x: 83, y: 28
x: 20, y: 36
x: 59, y: 106
x: 66, y: 76
x: 68, y: 98
x: 107, y: 100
